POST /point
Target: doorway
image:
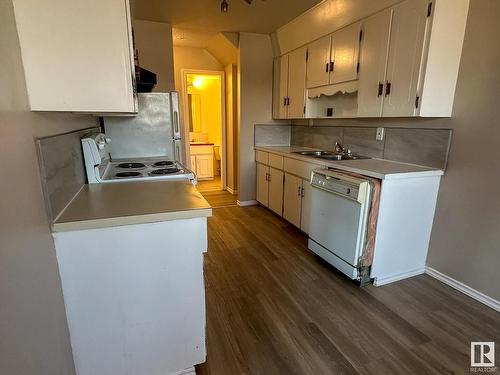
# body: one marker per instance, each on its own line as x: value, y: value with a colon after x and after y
x: 204, y: 120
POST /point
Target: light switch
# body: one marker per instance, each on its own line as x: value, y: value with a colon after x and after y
x: 380, y: 134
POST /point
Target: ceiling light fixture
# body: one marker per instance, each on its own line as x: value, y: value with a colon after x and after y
x: 224, y: 6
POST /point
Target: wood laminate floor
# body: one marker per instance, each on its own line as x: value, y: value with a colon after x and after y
x: 275, y: 308
x: 220, y: 198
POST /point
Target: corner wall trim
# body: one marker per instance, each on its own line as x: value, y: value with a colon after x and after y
x: 252, y: 202
x: 400, y: 276
x: 465, y: 289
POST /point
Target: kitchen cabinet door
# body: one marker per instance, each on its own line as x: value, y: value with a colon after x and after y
x: 318, y: 62
x: 292, y: 199
x: 296, y: 83
x: 77, y: 55
x: 409, y: 21
x: 345, y: 54
x: 275, y: 180
x: 262, y: 185
x: 305, y: 215
x: 372, y: 65
x: 283, y: 87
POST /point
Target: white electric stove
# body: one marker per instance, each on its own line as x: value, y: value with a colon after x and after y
x: 101, y: 168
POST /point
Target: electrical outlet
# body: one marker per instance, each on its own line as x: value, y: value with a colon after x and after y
x: 380, y: 134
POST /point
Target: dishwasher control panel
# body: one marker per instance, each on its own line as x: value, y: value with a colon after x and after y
x: 338, y: 183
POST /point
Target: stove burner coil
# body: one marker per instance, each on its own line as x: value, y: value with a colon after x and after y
x: 163, y: 163
x: 127, y: 174
x: 131, y: 165
x: 163, y: 171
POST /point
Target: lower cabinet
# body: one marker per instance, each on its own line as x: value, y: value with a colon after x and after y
x: 270, y: 188
x: 202, y: 162
x: 296, y: 201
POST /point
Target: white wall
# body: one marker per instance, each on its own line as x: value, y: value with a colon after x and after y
x: 153, y: 40
x: 33, y: 329
x: 255, y: 77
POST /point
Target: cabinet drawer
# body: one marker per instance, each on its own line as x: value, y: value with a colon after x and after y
x: 300, y: 168
x: 275, y: 161
x: 262, y: 157
x: 201, y: 150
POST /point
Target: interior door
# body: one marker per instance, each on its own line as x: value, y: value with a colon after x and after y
x: 297, y: 82
x: 409, y: 21
x: 318, y: 62
x: 305, y: 215
x: 372, y: 64
x: 345, y: 54
x: 262, y: 185
x: 275, y: 179
x: 292, y: 197
x: 283, y: 87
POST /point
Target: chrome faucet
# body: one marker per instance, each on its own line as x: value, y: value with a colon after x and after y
x: 338, y: 148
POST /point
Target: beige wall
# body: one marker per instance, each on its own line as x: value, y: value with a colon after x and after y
x: 153, y: 40
x: 255, y: 78
x: 33, y: 330
x: 465, y: 241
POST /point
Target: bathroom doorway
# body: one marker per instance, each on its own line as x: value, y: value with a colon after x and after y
x: 204, y: 119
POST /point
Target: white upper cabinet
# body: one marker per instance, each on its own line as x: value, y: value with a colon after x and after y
x: 289, y: 85
x: 409, y: 24
x: 296, y: 83
x: 375, y: 45
x: 345, y: 54
x: 77, y: 55
x: 318, y: 62
x: 409, y: 57
x: 283, y: 86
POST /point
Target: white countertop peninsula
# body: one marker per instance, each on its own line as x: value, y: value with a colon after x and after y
x: 130, y: 258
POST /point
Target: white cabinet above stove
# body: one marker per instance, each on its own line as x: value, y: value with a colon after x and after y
x: 77, y: 56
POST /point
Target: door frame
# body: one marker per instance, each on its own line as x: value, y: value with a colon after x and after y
x: 185, y: 121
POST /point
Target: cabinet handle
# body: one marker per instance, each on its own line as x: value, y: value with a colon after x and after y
x: 302, y: 192
x: 327, y: 67
x: 284, y: 101
x: 266, y: 177
x: 269, y: 177
x: 387, y: 88
x: 298, y: 191
x: 332, y: 65
x: 380, y: 89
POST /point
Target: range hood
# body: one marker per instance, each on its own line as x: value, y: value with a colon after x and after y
x: 145, y: 79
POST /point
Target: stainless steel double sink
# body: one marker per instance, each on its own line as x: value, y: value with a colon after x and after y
x: 327, y: 155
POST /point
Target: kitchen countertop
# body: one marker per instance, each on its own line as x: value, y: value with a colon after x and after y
x: 126, y: 203
x: 201, y: 144
x: 378, y: 168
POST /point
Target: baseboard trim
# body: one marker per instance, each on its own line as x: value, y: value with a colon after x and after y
x: 252, y: 202
x: 233, y: 192
x: 400, y: 276
x: 465, y: 289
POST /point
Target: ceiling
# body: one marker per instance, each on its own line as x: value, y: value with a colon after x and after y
x: 262, y: 16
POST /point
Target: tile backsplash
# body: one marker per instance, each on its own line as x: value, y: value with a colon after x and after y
x: 62, y: 169
x: 272, y: 135
x: 427, y: 147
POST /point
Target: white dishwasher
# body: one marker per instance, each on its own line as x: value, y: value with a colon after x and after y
x: 340, y: 206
